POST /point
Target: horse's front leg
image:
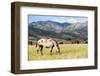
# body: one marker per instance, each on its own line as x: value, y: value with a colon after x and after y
x: 37, y: 49
x: 57, y: 50
x: 41, y: 50
x: 51, y: 50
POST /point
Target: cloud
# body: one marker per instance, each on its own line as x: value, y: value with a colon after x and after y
x: 72, y: 20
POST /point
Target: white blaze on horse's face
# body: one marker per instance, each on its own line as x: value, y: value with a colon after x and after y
x: 46, y: 42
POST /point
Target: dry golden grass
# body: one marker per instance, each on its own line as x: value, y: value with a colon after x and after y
x: 68, y: 51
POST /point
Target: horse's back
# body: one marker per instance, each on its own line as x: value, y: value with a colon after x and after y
x: 45, y: 42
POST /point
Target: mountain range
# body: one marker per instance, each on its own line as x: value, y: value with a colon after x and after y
x: 57, y: 30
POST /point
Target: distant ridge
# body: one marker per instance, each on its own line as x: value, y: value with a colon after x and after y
x: 57, y: 30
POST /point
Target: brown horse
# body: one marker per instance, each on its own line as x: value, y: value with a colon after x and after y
x: 47, y: 43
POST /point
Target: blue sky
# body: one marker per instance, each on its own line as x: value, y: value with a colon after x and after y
x: 61, y: 19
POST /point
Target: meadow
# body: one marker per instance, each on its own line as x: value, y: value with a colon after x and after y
x: 68, y: 51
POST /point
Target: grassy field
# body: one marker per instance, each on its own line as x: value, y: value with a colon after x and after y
x: 68, y: 51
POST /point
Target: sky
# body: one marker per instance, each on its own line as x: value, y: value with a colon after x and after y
x: 61, y: 19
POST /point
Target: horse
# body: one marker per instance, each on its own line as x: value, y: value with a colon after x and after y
x: 47, y: 43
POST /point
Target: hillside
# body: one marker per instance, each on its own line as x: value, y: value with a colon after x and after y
x: 57, y: 30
